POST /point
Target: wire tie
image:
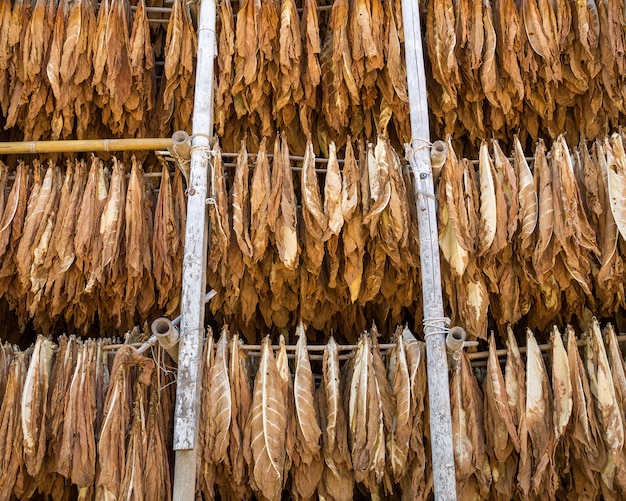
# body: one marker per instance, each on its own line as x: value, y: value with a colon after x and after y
x: 426, y: 194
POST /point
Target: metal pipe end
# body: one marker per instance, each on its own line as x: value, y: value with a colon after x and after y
x: 167, y: 335
x: 455, y: 339
x: 182, y: 145
x: 438, y: 154
x: 181, y: 137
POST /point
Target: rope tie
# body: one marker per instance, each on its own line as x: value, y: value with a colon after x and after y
x: 434, y: 323
x: 208, y: 137
x: 159, y: 360
x: 204, y: 149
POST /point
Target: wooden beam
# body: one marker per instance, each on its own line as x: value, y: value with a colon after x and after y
x: 418, y: 153
x: 194, y: 266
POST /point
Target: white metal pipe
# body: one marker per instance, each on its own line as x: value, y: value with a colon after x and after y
x: 444, y: 481
x: 194, y: 265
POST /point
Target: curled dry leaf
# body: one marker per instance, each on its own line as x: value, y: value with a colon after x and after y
x: 605, y: 399
x: 241, y: 203
x: 500, y: 430
x: 34, y: 404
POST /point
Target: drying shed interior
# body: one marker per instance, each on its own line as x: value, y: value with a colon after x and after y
x: 307, y: 373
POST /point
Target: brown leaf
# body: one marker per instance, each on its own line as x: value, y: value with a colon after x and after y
x: 260, y: 190
x: 332, y: 194
x: 219, y: 395
x: 33, y: 405
x: 241, y: 203
x: 528, y: 203
x: 500, y: 430
x: 605, y: 399
x: 266, y: 427
x: 539, y: 412
x: 488, y: 212
x: 241, y: 397
x: 315, y: 220
x: 399, y: 441
x: 308, y: 466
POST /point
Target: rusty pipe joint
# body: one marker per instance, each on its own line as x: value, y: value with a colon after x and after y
x: 455, y: 340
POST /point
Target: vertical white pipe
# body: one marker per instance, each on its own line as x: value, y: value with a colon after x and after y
x: 194, y: 265
x: 419, y: 158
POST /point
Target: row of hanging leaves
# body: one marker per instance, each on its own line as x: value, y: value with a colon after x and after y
x: 88, y: 242
x: 534, y: 433
x: 71, y: 419
x: 75, y: 427
x: 331, y: 255
x: 536, y: 245
x: 364, y: 423
x: 525, y: 433
x: 91, y: 244
x: 534, y: 67
x: 328, y: 78
x: 77, y: 70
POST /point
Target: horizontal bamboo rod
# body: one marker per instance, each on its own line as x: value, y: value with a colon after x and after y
x: 290, y: 347
x: 319, y: 8
x: 543, y: 347
x: 478, y: 358
x: 146, y: 175
x: 147, y: 9
x: 158, y: 10
x: 313, y: 347
x: 295, y: 168
x: 296, y: 158
x: 257, y: 347
x: 476, y: 161
x: 84, y: 145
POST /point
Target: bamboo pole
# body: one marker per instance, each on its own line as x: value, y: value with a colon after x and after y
x: 194, y: 265
x: 80, y: 145
x: 418, y: 152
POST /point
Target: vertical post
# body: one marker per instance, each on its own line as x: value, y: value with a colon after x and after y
x: 419, y: 158
x: 194, y: 265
